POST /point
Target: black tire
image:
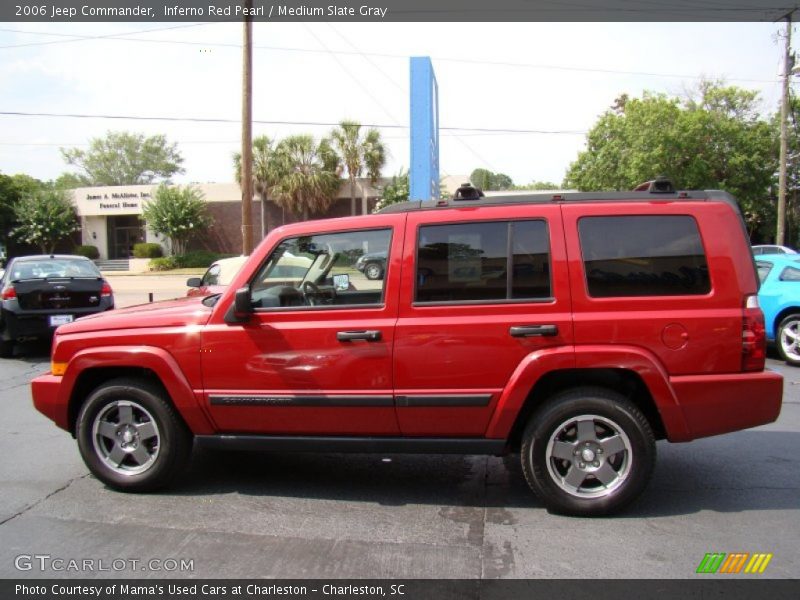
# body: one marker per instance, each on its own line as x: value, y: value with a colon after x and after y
x: 789, y: 348
x: 597, y: 431
x: 149, y: 462
x: 6, y: 347
x: 373, y: 270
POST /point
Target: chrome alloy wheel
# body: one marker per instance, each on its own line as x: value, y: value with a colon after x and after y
x: 589, y: 456
x: 126, y: 437
x: 790, y: 339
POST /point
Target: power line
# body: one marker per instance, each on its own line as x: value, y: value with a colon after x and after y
x: 512, y: 64
x: 278, y: 122
x: 82, y: 38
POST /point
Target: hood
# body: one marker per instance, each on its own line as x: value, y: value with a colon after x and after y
x: 166, y: 313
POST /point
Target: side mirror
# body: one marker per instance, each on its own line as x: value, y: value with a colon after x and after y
x: 241, y: 309
x: 194, y: 282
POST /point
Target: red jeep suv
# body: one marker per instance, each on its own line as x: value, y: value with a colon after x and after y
x: 573, y: 329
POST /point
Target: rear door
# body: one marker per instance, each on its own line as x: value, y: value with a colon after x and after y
x: 482, y: 289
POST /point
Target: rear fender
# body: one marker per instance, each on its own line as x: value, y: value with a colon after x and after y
x: 631, y: 358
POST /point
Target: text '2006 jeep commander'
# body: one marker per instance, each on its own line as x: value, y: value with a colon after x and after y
x: 574, y: 329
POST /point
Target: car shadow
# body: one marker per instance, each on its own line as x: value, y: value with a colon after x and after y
x: 745, y: 471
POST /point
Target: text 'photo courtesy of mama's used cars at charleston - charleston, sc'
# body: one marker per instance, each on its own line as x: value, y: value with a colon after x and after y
x: 571, y: 329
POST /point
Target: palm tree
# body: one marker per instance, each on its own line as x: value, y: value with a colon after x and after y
x: 309, y: 180
x: 266, y: 175
x: 358, y: 153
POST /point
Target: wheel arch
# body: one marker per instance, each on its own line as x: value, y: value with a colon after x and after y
x: 784, y: 312
x: 89, y: 369
x: 626, y: 382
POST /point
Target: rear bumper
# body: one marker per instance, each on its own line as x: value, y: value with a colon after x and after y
x: 36, y: 324
x: 44, y: 390
x: 715, y: 404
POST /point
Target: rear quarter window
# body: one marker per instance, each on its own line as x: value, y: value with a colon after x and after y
x: 643, y: 255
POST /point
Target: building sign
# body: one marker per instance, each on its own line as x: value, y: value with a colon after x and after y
x: 99, y: 201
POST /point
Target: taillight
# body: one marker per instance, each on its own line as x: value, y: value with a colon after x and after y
x: 754, y: 338
x: 9, y: 293
x: 106, y: 290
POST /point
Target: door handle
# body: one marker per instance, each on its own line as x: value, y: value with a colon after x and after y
x: 533, y: 331
x: 349, y: 336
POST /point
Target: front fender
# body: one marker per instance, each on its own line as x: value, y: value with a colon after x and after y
x: 157, y: 360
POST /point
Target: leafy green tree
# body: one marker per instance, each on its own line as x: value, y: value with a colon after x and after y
x: 267, y: 175
x: 358, y: 153
x: 122, y: 158
x: 44, y: 218
x: 397, y: 190
x: 309, y: 180
x: 177, y: 213
x: 717, y: 140
x: 487, y: 180
x: 538, y: 185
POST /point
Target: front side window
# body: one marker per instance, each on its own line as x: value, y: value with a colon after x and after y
x: 212, y: 276
x: 321, y: 270
x: 483, y: 262
x: 652, y: 255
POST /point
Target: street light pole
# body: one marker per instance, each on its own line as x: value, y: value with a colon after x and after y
x: 780, y: 235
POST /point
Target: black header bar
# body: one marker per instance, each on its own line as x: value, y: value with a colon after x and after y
x: 183, y: 11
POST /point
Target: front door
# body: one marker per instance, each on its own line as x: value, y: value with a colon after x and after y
x: 315, y: 356
x: 124, y: 232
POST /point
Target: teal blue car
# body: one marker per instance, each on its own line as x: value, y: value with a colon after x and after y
x: 779, y: 298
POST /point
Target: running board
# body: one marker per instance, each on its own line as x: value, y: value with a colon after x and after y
x: 366, y: 445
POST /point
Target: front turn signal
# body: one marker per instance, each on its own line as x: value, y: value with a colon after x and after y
x: 58, y: 368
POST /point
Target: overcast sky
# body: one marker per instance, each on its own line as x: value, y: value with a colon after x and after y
x: 540, y: 77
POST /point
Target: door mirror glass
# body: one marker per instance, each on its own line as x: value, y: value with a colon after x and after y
x: 194, y: 282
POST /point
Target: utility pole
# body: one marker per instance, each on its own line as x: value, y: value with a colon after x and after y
x: 788, y: 61
x: 247, y: 133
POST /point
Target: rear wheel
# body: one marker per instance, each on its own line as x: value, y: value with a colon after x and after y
x: 131, y: 437
x: 588, y: 451
x: 788, y: 339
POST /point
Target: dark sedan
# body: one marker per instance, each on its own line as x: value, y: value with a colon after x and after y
x: 39, y: 293
x: 373, y: 265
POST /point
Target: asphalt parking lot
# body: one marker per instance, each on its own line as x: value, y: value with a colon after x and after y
x: 361, y: 516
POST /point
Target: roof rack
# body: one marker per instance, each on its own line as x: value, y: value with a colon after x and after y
x: 660, y: 189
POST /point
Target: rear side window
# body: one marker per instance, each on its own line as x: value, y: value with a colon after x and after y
x: 659, y: 255
x: 483, y: 262
x: 790, y: 274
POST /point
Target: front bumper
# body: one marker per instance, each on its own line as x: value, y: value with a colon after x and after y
x: 45, y: 392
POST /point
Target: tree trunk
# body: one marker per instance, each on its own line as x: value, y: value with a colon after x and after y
x: 353, y: 196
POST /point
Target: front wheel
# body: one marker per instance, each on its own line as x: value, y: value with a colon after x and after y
x: 131, y: 437
x: 588, y: 452
x: 788, y: 339
x: 373, y: 271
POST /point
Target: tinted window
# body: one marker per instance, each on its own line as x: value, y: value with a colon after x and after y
x: 320, y: 271
x: 486, y: 261
x: 763, y: 270
x: 643, y: 256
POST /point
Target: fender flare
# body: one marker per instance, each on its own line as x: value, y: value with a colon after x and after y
x: 157, y: 360
x: 630, y: 358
